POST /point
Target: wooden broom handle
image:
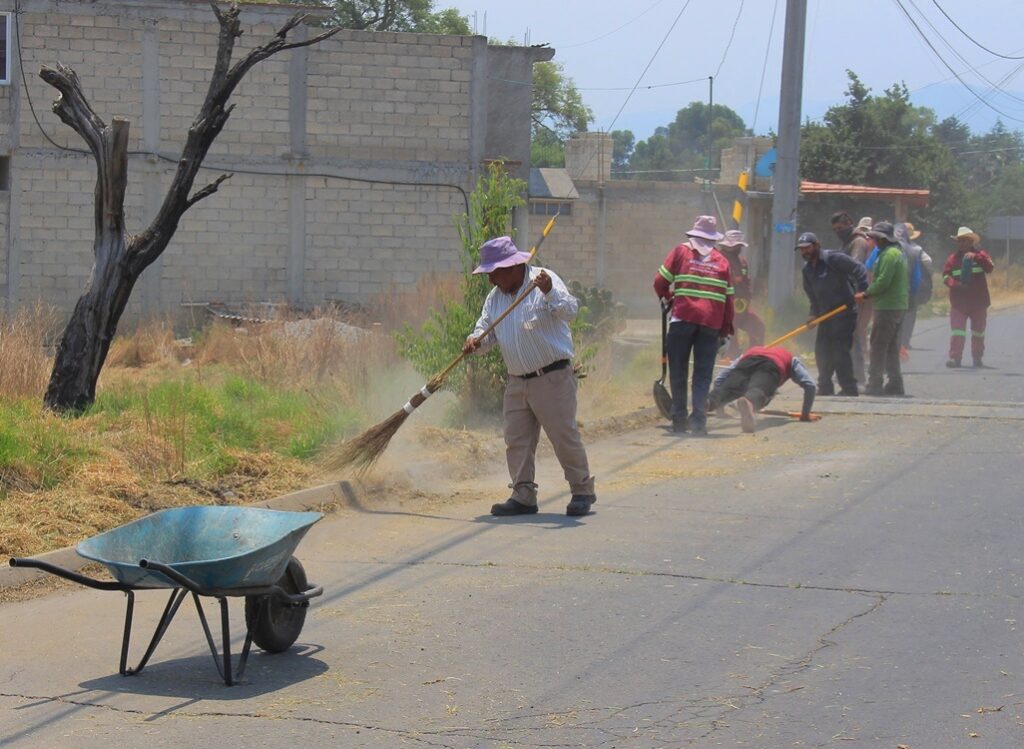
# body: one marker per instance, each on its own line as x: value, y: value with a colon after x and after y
x: 808, y: 325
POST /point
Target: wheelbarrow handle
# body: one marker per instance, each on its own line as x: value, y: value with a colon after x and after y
x: 75, y: 577
x: 172, y: 574
x: 297, y: 599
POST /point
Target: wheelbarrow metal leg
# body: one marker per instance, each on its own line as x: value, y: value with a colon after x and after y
x: 126, y: 640
x: 177, y: 596
x: 222, y: 660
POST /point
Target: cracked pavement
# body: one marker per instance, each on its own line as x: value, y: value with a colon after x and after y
x: 854, y: 582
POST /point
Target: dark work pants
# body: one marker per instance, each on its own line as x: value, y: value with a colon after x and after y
x: 684, y: 337
x: 832, y: 352
x: 885, y: 349
x: 755, y: 378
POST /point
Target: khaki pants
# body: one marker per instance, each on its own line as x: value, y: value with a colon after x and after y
x: 548, y: 401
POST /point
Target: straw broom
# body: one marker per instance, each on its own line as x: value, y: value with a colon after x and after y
x: 362, y: 451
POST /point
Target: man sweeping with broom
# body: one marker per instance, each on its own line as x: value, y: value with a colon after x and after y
x: 536, y: 346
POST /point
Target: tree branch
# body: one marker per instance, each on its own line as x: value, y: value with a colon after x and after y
x: 207, y: 191
x: 73, y: 108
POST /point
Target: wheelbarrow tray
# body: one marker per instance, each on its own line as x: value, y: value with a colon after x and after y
x: 218, y: 548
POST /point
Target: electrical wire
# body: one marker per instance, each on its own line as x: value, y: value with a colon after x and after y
x: 993, y: 87
x: 732, y: 36
x: 648, y: 66
x: 764, y: 66
x: 949, y: 67
x: 613, y: 31
x: 973, y: 40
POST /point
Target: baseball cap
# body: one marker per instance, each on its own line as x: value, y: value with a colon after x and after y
x: 806, y: 239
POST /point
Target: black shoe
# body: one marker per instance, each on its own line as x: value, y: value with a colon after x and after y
x: 511, y: 507
x: 679, y: 426
x: 849, y: 393
x: 580, y: 504
x: 891, y: 389
x: 699, y: 430
x: 953, y: 363
x: 826, y: 391
x: 874, y: 390
x: 977, y: 363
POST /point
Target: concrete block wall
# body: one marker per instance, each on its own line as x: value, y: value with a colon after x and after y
x: 382, y: 109
x: 642, y: 222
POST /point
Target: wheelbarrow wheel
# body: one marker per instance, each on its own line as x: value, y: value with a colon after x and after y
x: 274, y: 623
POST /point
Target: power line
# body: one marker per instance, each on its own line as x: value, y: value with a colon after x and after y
x: 613, y: 31
x: 648, y: 66
x: 975, y: 41
x: 732, y: 36
x: 993, y: 87
x: 764, y: 66
x: 949, y: 67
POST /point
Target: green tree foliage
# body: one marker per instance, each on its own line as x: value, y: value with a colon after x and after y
x: 558, y: 113
x: 623, y: 145
x: 885, y: 141
x: 439, y: 340
x: 394, y: 15
x: 680, y: 150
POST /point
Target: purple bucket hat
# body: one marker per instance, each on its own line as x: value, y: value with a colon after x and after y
x: 500, y: 252
x: 706, y: 227
x: 734, y: 238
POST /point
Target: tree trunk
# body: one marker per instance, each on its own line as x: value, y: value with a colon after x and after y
x: 119, y: 261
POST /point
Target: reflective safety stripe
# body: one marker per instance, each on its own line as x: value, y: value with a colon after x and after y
x: 665, y: 274
x: 978, y: 334
x: 691, y: 278
x: 701, y: 294
x: 959, y: 272
x: 957, y: 333
x: 730, y: 290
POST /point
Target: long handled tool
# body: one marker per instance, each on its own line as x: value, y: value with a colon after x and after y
x: 662, y: 399
x: 808, y: 325
x: 363, y: 450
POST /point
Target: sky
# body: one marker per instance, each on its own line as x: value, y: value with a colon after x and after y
x: 672, y: 47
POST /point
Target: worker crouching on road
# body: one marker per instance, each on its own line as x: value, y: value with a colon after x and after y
x: 695, y: 277
x: 753, y: 379
x: 890, y: 292
x: 964, y: 274
x: 745, y: 319
x: 537, y: 348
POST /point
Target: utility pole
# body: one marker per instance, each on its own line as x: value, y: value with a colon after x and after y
x: 787, y: 165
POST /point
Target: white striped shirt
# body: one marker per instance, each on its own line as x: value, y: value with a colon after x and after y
x: 536, y: 333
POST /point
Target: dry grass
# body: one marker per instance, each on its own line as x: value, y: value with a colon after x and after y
x: 401, y: 304
x: 24, y: 361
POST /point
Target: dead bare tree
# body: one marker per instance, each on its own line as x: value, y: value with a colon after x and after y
x: 119, y: 259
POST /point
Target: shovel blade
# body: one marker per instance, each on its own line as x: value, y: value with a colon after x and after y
x: 662, y: 399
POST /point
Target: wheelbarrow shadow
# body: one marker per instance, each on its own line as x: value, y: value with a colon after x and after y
x: 195, y: 679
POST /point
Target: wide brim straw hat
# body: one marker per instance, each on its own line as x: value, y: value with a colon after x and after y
x: 965, y: 231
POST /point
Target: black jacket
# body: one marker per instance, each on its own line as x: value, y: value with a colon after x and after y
x: 833, y: 281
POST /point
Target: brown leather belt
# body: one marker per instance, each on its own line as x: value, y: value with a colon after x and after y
x: 560, y: 364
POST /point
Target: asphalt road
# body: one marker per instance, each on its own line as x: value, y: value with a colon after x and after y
x: 852, y: 582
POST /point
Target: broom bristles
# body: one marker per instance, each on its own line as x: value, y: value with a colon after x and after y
x: 362, y: 451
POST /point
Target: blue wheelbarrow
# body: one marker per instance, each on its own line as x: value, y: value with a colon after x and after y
x: 207, y: 551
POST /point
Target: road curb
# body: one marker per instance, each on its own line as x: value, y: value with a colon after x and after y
x: 317, y: 497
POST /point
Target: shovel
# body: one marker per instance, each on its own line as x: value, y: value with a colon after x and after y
x: 661, y: 396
